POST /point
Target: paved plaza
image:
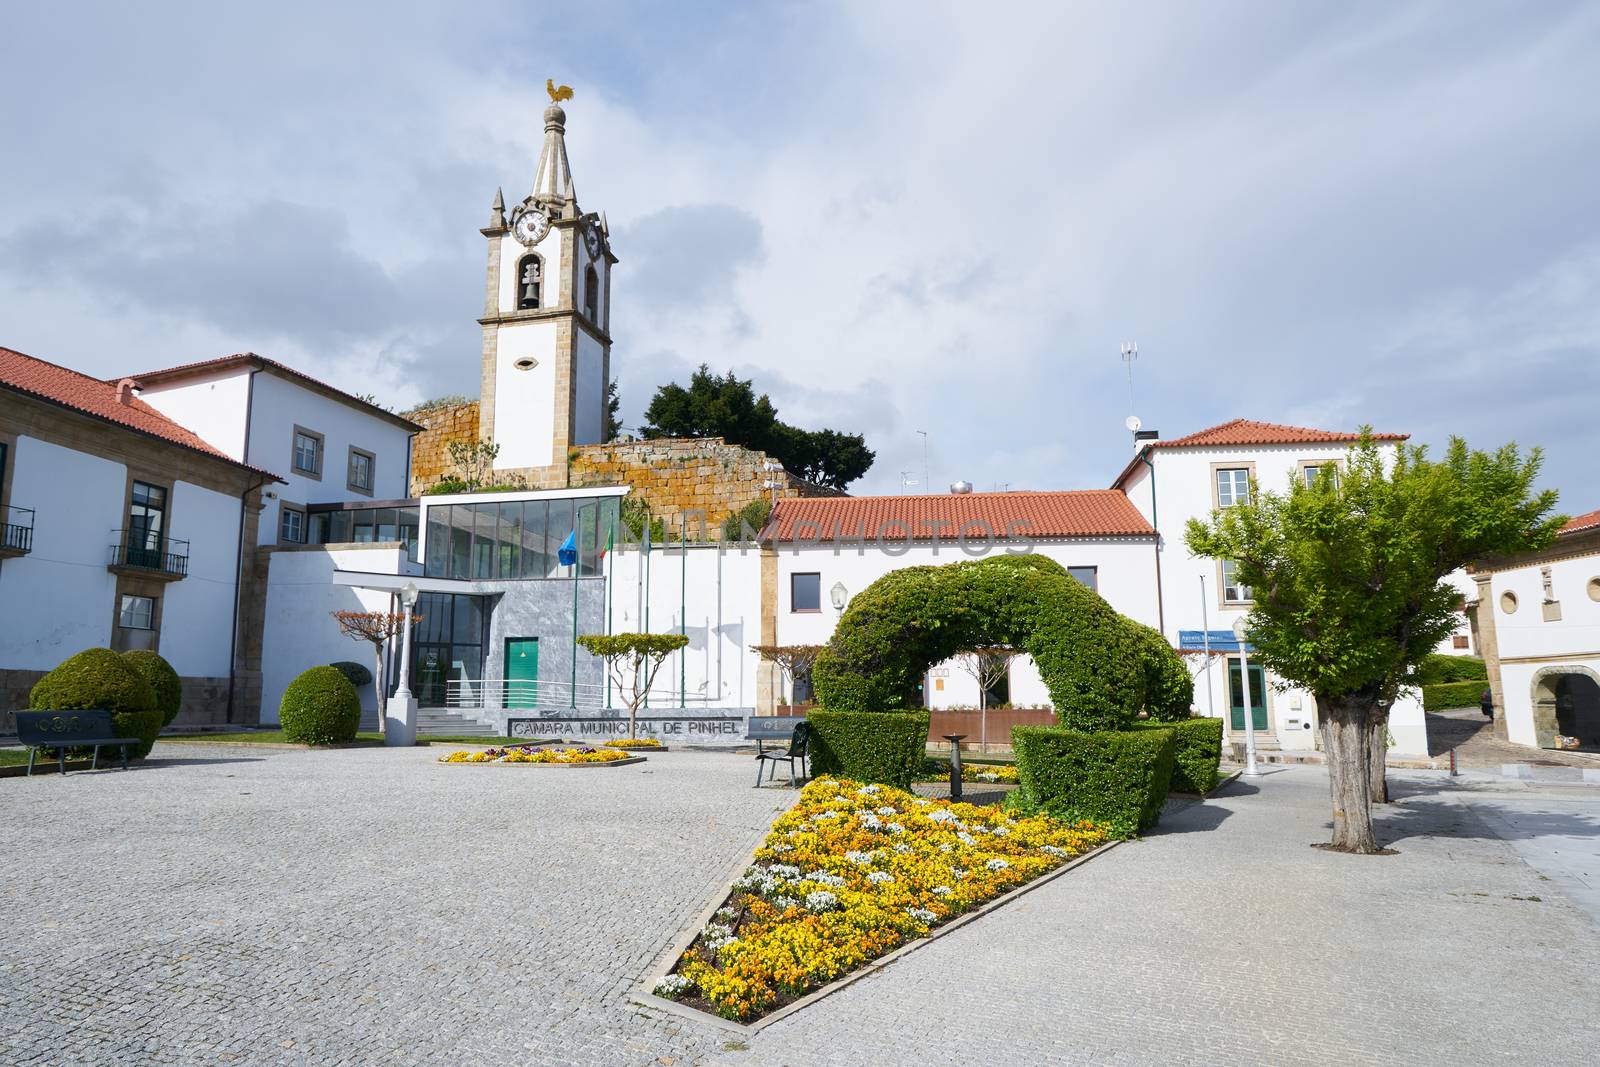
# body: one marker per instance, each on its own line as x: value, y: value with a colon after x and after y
x: 223, y: 905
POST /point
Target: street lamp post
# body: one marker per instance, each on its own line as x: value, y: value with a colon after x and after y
x: 401, y: 727
x: 1250, y: 769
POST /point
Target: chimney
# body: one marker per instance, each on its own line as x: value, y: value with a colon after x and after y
x: 125, y: 391
x: 1144, y: 437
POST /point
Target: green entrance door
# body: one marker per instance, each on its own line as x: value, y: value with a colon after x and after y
x: 522, y: 672
x: 1258, y: 696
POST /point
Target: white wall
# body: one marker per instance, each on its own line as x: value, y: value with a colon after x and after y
x: 58, y: 599
x: 211, y: 405
x: 300, y: 631
x: 524, y: 407
x: 197, y: 612
x: 1528, y: 642
x: 279, y: 405
x: 511, y: 253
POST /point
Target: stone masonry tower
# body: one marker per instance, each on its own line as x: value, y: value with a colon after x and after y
x: 546, y: 322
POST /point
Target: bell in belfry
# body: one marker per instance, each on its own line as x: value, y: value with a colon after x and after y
x: 530, y: 284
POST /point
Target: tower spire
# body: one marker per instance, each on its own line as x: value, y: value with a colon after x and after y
x: 552, y: 182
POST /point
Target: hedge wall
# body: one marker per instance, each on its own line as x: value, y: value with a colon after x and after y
x: 1198, y: 752
x: 912, y: 618
x: 1452, y: 695
x: 1168, y: 685
x: 869, y: 746
x: 98, y: 678
x: 320, y: 708
x: 1117, y: 777
x: 1436, y: 667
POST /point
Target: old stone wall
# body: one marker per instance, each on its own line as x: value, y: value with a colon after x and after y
x: 676, y: 475
x: 430, y: 449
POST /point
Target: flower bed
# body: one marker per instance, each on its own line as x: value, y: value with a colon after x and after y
x: 636, y: 742
x: 938, y: 770
x: 850, y: 873
x: 529, y: 754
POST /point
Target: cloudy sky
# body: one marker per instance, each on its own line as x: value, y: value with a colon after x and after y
x: 893, y: 217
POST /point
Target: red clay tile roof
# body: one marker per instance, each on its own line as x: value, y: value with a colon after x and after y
x: 1019, y: 515
x: 1587, y: 521
x: 1252, y: 432
x: 251, y: 359
x: 47, y: 381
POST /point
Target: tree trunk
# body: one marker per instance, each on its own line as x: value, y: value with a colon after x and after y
x: 377, y: 684
x: 1347, y: 742
x: 1377, y: 758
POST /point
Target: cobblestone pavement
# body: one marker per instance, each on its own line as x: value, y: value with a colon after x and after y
x: 369, y: 906
x: 1471, y: 735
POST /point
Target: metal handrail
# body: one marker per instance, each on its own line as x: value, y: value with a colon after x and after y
x: 167, y: 555
x: 17, y: 534
x: 528, y: 693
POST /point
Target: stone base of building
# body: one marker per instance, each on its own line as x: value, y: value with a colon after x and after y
x: 204, y: 702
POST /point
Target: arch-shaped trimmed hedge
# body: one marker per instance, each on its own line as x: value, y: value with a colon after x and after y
x: 1168, y: 685
x: 1091, y: 659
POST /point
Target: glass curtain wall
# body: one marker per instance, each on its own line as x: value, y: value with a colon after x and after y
x: 366, y: 525
x: 447, y: 647
x: 517, y: 540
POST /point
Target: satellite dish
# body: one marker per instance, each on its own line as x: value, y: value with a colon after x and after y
x: 1132, y: 423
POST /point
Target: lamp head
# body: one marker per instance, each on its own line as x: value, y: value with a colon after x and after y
x: 840, y: 596
x: 408, y: 594
x: 1241, y: 627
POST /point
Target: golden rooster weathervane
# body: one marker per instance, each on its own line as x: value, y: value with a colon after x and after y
x: 557, y: 93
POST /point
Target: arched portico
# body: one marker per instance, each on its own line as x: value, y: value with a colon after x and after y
x: 1566, y: 701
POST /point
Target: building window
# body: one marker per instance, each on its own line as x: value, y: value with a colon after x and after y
x: 292, y: 525
x: 1312, y: 471
x: 1458, y: 641
x: 1233, y: 592
x: 591, y: 296
x: 307, y: 458
x: 530, y: 282
x: 147, y: 524
x: 805, y: 592
x: 361, y: 470
x: 1233, y: 486
x: 1089, y: 576
x: 137, y: 613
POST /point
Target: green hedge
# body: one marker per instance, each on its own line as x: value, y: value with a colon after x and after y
x: 1168, y: 685
x: 1452, y: 695
x: 358, y: 675
x: 1198, y: 752
x: 98, y: 678
x: 869, y: 746
x: 320, y: 708
x: 1116, y: 777
x: 912, y: 618
x: 162, y: 678
x: 1436, y: 667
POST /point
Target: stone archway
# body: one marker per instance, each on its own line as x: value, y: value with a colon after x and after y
x: 1566, y: 700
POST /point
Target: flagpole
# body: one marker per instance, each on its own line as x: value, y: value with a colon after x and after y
x: 611, y: 597
x: 577, y: 526
x: 646, y: 618
x: 683, y: 610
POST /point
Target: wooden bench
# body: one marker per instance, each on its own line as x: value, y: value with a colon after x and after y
x: 792, y: 729
x: 62, y: 730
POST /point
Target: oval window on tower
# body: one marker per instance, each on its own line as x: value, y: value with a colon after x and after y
x: 526, y: 363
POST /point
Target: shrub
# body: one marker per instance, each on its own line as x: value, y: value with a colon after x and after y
x: 918, y: 616
x: 1437, y: 668
x: 1198, y: 751
x: 358, y: 675
x: 869, y: 746
x: 1452, y: 695
x: 1117, y: 777
x: 163, y: 681
x: 1168, y: 685
x: 98, y: 678
x: 320, y: 708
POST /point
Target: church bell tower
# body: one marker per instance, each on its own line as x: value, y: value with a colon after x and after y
x: 546, y: 322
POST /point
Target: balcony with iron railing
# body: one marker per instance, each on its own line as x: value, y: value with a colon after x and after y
x: 16, y: 534
x: 141, y: 554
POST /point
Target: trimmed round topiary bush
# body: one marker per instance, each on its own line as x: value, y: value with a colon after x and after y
x: 1168, y: 685
x: 868, y: 746
x: 913, y: 618
x: 99, y: 679
x: 358, y: 675
x: 163, y: 681
x: 320, y: 708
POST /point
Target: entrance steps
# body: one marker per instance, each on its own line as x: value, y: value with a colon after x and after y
x: 437, y: 721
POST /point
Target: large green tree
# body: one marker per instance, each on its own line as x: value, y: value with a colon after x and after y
x: 727, y: 406
x: 1349, y: 596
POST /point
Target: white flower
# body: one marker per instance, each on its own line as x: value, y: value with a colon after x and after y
x: 1000, y: 831
x: 859, y: 858
x: 784, y: 870
x: 896, y: 828
x: 782, y: 903
x: 880, y: 877
x: 901, y: 847
x: 820, y: 900
x: 673, y: 985
x: 921, y: 802
x: 945, y: 848
x: 832, y: 881
x: 725, y: 915
x: 1054, y: 851
x: 869, y: 820
x: 959, y: 872
x: 966, y: 838
x: 997, y: 864
x: 922, y: 915
x: 869, y: 790
x: 942, y: 815
x: 716, y: 935
x: 819, y: 816
x: 988, y: 776
x: 781, y: 847
x: 941, y: 890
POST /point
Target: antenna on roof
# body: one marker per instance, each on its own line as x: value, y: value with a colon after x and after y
x: 906, y: 480
x: 1130, y: 352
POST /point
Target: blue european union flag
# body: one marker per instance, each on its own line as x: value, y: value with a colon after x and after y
x: 567, y: 554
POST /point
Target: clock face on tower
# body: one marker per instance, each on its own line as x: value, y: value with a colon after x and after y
x: 592, y: 240
x: 530, y: 226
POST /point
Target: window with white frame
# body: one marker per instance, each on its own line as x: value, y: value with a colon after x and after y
x: 361, y: 465
x: 1089, y: 576
x: 1233, y: 591
x: 1233, y: 486
x: 307, y: 452
x: 1311, y: 472
x: 292, y: 525
x: 137, y: 613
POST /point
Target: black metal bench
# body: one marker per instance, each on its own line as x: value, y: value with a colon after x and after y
x: 791, y: 728
x: 62, y: 730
